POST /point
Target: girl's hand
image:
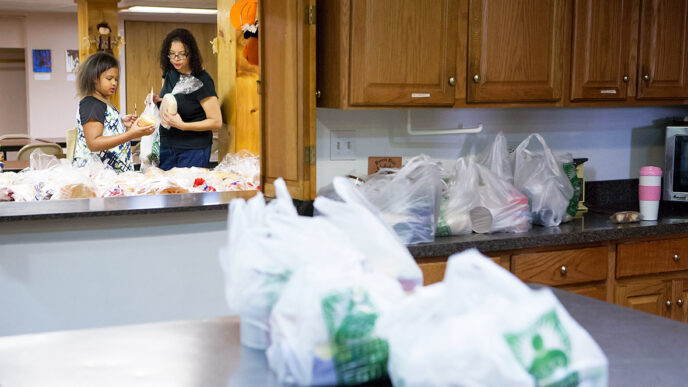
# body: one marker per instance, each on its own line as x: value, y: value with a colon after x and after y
x: 139, y: 132
x: 172, y: 119
x: 129, y: 120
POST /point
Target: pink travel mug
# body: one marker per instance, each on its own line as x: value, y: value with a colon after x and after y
x: 649, y: 192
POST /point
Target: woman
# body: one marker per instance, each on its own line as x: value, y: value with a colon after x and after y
x: 101, y: 130
x: 188, y: 140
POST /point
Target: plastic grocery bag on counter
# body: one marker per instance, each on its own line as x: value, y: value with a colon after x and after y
x: 483, y: 327
x: 322, y: 327
x: 150, y: 145
x: 508, y: 206
x: 408, y: 199
x: 266, y: 244
x: 359, y: 220
x: 458, y: 199
x: 540, y: 176
x: 497, y: 159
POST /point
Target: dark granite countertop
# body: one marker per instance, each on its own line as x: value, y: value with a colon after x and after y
x: 595, y: 226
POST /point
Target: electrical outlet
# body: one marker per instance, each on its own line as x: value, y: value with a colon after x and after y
x: 343, y: 145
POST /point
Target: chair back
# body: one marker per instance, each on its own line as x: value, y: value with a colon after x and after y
x: 47, y: 148
x: 14, y: 136
x: 71, y: 143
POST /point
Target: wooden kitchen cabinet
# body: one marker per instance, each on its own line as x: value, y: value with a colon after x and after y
x: 603, y: 56
x: 663, y: 49
x: 387, y: 52
x: 651, y: 257
x: 645, y: 294
x: 516, y: 50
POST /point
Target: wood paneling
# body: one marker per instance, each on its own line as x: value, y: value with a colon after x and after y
x: 663, y: 49
x: 516, y: 48
x: 225, y: 84
x: 403, y: 52
x: 603, y: 52
x: 333, y: 23
x: 562, y: 267
x: 144, y: 40
x: 597, y: 291
x: 652, y: 257
x: 288, y: 110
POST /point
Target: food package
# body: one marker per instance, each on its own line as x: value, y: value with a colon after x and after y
x: 74, y: 191
x: 460, y: 196
x: 168, y: 104
x: 626, y: 217
x: 146, y: 120
x: 187, y: 84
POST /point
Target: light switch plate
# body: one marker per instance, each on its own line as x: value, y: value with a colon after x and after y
x: 343, y: 145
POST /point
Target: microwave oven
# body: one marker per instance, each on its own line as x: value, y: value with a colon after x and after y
x: 676, y: 162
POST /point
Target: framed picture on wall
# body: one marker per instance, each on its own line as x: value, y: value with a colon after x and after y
x: 71, y: 60
x: 41, y: 61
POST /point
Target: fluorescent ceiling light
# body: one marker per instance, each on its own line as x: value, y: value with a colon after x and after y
x: 145, y: 9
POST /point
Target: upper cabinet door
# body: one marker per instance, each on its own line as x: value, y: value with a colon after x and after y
x: 603, y: 55
x: 663, y: 60
x: 516, y: 50
x: 403, y: 52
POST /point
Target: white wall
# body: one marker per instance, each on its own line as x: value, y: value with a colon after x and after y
x: 617, y: 141
x: 113, y: 270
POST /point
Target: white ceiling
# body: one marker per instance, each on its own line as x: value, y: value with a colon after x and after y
x: 70, y: 5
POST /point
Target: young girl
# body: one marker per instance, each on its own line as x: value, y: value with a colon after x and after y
x: 101, y: 130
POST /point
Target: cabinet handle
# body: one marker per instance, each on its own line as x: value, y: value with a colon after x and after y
x: 317, y: 94
x: 563, y: 271
x: 679, y: 302
x: 452, y: 81
x: 646, y: 77
x: 676, y: 257
x: 668, y: 303
x: 476, y: 78
x: 626, y: 78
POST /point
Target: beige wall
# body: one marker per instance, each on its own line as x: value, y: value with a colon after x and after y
x: 13, y: 97
x: 52, y: 104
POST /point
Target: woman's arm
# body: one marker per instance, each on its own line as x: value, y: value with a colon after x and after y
x: 213, y: 115
x: 96, y: 142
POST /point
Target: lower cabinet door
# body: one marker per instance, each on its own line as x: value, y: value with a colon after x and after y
x: 649, y: 295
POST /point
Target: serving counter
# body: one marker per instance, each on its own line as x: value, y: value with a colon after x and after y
x: 643, y: 350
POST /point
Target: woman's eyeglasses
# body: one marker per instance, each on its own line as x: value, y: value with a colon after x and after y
x: 181, y: 55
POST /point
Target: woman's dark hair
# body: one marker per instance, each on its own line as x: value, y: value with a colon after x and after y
x: 193, y: 54
x: 89, y: 72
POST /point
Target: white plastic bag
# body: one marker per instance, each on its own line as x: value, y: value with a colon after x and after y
x: 322, y: 328
x: 357, y: 218
x: 483, y: 327
x: 459, y: 198
x: 408, y: 199
x: 539, y: 175
x: 266, y: 244
x: 150, y: 145
x: 496, y: 158
x: 507, y: 205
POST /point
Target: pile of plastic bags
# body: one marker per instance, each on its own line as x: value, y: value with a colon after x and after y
x: 494, y: 191
x: 49, y: 178
x: 337, y: 299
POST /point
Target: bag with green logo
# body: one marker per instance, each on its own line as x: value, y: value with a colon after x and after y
x: 322, y: 329
x: 482, y: 326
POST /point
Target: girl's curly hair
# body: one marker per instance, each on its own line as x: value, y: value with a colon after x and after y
x: 193, y: 54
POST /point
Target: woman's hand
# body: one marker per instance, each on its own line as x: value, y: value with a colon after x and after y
x: 172, y: 119
x: 129, y: 120
x: 139, y: 132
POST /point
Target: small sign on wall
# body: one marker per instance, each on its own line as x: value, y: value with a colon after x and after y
x: 377, y: 163
x: 71, y: 63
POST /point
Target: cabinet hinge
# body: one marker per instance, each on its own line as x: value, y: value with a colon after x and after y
x: 310, y: 155
x: 310, y: 14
